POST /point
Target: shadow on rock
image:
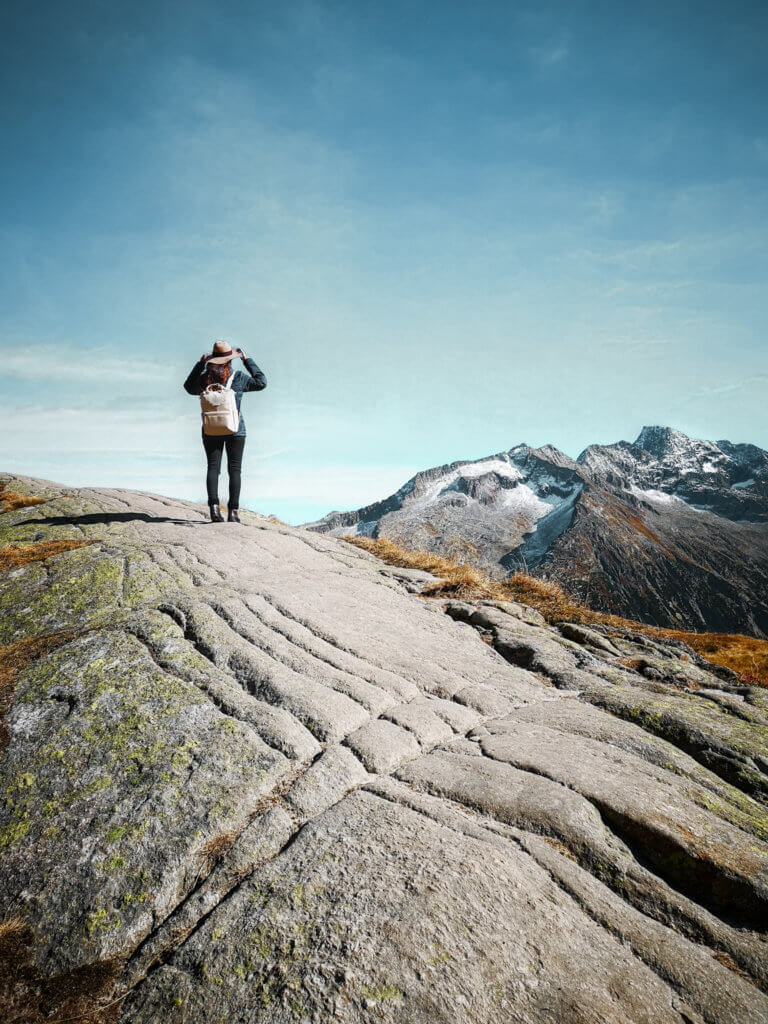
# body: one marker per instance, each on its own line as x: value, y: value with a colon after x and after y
x: 104, y: 518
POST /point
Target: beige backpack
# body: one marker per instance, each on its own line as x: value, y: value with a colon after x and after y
x: 219, y: 409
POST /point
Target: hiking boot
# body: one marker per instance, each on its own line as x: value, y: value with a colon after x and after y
x: 216, y: 516
x: 233, y: 516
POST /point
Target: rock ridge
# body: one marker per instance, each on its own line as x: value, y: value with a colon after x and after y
x: 261, y: 778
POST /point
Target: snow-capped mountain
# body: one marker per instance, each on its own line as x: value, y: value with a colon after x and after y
x: 668, y: 529
x: 715, y: 476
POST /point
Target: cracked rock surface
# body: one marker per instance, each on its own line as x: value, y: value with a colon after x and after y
x: 255, y: 770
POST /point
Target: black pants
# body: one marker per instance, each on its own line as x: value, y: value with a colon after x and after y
x: 214, y: 446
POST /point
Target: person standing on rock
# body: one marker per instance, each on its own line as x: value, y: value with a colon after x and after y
x: 211, y: 374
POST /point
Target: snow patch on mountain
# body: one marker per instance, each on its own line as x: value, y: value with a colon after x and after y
x: 546, y: 530
x: 469, y: 471
x: 659, y: 497
x: 503, y: 468
x: 524, y: 502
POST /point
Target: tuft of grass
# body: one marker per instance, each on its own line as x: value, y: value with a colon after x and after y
x: 216, y: 848
x: 10, y: 501
x: 744, y: 654
x: 548, y: 598
x: 27, y: 998
x: 727, y: 961
x: 457, y: 579
x: 15, y: 937
x: 15, y: 555
x: 747, y: 656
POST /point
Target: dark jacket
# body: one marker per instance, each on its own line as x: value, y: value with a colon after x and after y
x: 254, y: 380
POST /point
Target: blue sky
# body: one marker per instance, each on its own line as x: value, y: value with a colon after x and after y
x: 440, y: 228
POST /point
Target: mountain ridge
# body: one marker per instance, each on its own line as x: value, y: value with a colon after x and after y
x: 667, y: 529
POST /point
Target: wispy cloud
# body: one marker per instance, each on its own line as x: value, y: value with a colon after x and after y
x: 632, y: 344
x: 758, y: 381
x: 142, y: 431
x: 67, y: 362
x: 631, y: 257
x: 606, y: 207
x: 550, y: 54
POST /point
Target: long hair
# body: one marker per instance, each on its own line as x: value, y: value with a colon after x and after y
x: 217, y: 373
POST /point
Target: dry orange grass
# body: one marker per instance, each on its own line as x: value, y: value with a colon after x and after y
x: 743, y: 654
x: 83, y: 994
x: 548, y: 598
x: 13, y: 934
x: 457, y: 578
x: 10, y: 501
x: 14, y: 555
x: 217, y: 847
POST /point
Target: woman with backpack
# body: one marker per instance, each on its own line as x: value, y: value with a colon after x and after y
x: 221, y: 390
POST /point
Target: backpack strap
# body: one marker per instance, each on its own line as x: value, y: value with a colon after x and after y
x: 230, y: 379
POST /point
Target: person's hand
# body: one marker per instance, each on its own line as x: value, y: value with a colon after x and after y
x: 241, y: 354
x: 204, y: 357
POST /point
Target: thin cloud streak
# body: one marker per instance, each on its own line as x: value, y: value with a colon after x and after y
x: 758, y: 381
x: 23, y: 362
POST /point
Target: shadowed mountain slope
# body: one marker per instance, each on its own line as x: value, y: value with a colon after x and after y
x: 250, y: 774
x: 669, y: 530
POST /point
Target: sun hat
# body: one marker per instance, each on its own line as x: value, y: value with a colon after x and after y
x: 217, y: 358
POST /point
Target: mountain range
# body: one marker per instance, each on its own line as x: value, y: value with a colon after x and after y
x: 667, y: 529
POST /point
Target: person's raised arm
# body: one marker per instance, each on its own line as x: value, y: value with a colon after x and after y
x: 258, y: 381
x: 193, y: 385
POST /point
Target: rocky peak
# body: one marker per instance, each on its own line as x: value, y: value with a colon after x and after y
x: 666, y: 443
x: 727, y: 479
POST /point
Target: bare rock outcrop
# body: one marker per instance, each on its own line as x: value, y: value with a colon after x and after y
x: 251, y: 775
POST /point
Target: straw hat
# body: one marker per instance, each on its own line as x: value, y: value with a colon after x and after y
x: 218, y: 358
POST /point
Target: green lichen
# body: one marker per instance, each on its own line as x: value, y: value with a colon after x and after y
x: 126, y: 713
x: 129, y: 898
x: 100, y: 920
x: 279, y: 947
x: 498, y: 998
x: 84, y: 590
x: 113, y: 864
x: 14, y: 832
x: 381, y: 993
x: 746, y: 813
